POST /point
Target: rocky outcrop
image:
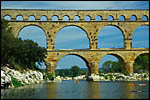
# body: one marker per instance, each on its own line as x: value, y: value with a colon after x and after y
x: 118, y: 77
x: 25, y: 78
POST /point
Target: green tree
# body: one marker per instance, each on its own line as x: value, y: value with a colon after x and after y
x: 19, y: 53
x: 116, y: 67
x: 107, y: 66
x: 75, y: 71
x: 141, y: 63
x: 111, y: 66
x: 7, y: 40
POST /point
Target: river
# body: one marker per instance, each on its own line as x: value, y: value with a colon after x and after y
x: 81, y: 90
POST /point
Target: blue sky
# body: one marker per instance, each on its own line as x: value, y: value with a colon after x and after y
x: 75, y: 38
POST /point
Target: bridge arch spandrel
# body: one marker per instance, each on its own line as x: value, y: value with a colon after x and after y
x: 102, y: 25
x: 26, y: 25
x: 136, y: 25
x: 140, y: 53
x: 61, y: 55
x: 61, y: 26
x: 120, y: 56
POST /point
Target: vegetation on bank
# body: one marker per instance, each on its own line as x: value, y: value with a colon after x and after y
x: 15, y: 82
x: 141, y: 65
x: 73, y: 72
x: 19, y: 54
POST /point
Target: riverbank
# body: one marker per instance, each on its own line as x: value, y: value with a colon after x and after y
x: 111, y: 77
x: 11, y: 78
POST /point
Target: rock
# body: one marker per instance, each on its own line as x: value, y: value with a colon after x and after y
x: 57, y: 79
x: 93, y: 77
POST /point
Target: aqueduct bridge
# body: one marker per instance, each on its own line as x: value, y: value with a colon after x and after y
x: 91, y: 56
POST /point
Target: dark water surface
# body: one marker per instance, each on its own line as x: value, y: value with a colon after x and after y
x: 81, y: 90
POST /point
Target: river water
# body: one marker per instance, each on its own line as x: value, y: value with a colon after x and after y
x: 81, y: 90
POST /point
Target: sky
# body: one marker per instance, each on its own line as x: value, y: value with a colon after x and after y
x: 72, y: 37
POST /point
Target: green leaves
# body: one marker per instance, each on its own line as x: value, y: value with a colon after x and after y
x: 111, y: 66
x: 15, y: 82
x: 18, y: 52
x: 75, y: 70
x: 141, y: 63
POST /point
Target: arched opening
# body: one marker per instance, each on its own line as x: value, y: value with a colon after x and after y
x: 54, y: 18
x: 110, y: 18
x: 43, y: 18
x: 65, y: 18
x: 141, y: 63
x: 111, y: 63
x: 122, y: 18
x: 76, y: 18
x: 36, y: 34
x: 110, y: 37
x: 144, y: 18
x: 66, y: 63
x: 19, y: 18
x: 98, y: 18
x: 140, y: 37
x: 133, y: 18
x: 71, y: 37
x: 7, y: 17
x: 87, y: 18
x: 31, y: 18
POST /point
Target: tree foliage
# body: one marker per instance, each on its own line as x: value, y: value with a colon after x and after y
x: 111, y: 66
x: 141, y: 64
x: 17, y: 52
x: 73, y: 72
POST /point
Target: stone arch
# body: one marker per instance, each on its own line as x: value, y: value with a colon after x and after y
x: 76, y: 16
x: 117, y: 55
x: 43, y: 16
x: 31, y: 25
x: 121, y: 16
x: 55, y: 16
x: 98, y: 18
x: 66, y: 17
x: 121, y: 29
x: 120, y: 58
x: 20, y: 17
x: 134, y: 18
x: 144, y: 18
x: 88, y: 18
x: 31, y: 16
x: 75, y: 26
x: 7, y: 15
x: 111, y: 18
x: 74, y: 54
x: 141, y: 53
x: 135, y: 30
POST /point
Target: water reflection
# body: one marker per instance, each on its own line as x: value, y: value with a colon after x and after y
x: 51, y: 90
x: 93, y: 90
x: 127, y: 90
x: 80, y: 90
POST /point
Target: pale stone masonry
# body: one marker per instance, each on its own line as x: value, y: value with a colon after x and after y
x: 93, y: 55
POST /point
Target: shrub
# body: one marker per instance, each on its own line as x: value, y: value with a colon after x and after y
x: 50, y: 76
x: 15, y: 82
x: 126, y: 73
